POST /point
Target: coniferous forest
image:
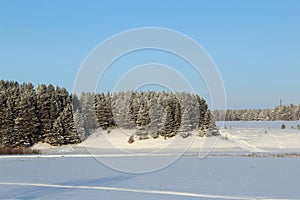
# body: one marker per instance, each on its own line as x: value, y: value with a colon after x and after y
x: 29, y: 115
x: 279, y: 113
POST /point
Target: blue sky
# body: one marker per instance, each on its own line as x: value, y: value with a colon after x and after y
x: 255, y: 43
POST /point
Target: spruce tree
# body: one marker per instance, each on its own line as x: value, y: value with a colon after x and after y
x: 79, y: 124
x: 87, y: 102
x: 101, y: 111
x: 143, y: 120
x: 186, y: 126
x: 55, y: 137
x: 177, y: 114
x: 2, y: 113
x: 128, y: 119
x: 108, y: 111
x: 43, y: 104
x: 79, y: 118
x: 168, y: 127
x: 27, y: 123
x: 143, y: 117
x: 70, y: 133
x: 135, y: 106
x: 156, y: 116
x: 64, y: 130
x: 12, y: 92
x: 204, y: 116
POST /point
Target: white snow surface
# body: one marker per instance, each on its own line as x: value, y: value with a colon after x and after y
x: 236, y: 138
x: 188, y: 178
x: 106, y: 166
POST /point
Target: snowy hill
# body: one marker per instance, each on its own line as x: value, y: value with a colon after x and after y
x: 237, y: 138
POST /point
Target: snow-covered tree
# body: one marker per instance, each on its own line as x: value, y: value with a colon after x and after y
x: 87, y: 102
x: 27, y: 122
x: 64, y: 130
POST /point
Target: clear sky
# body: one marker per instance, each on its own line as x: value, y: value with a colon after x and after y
x: 255, y: 43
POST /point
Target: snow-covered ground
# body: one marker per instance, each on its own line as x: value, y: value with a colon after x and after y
x: 106, y: 166
x: 236, y: 138
x: 188, y: 178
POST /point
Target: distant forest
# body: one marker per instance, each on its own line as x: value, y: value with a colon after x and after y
x: 29, y: 115
x: 283, y: 112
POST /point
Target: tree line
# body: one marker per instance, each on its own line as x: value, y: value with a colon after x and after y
x: 279, y: 113
x: 152, y: 114
x: 29, y: 115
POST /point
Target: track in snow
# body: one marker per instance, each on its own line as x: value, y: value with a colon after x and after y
x: 143, y: 191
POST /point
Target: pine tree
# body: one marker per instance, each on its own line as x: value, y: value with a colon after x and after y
x: 186, y: 126
x: 134, y: 104
x: 43, y: 105
x: 177, y: 114
x: 213, y: 130
x: 2, y: 112
x: 55, y: 108
x: 143, y: 120
x: 64, y: 130
x: 70, y: 133
x: 55, y: 137
x: 76, y: 103
x: 87, y: 102
x: 27, y: 124
x: 204, y: 116
x: 128, y: 120
x: 143, y: 117
x: 8, y: 127
x: 12, y: 93
x: 156, y: 124
x: 79, y: 124
x: 101, y: 111
x: 203, y: 129
x: 108, y: 111
x: 168, y: 127
x: 79, y: 118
